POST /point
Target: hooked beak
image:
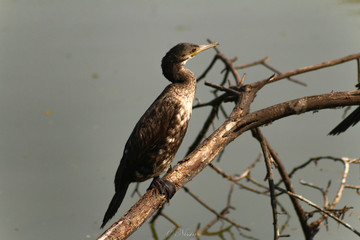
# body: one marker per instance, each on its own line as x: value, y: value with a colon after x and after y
x: 204, y: 47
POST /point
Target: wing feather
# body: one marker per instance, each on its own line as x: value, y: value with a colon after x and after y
x: 148, y: 133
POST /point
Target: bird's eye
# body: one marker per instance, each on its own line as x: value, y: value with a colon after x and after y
x: 194, y: 49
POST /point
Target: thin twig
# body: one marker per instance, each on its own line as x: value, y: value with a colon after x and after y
x: 352, y: 187
x: 203, y: 75
x: 348, y: 226
x: 268, y: 159
x: 253, y: 63
x: 205, y: 128
x: 278, y: 72
x: 222, y: 88
x: 228, y: 64
x: 204, y: 231
x: 213, y: 211
x: 316, y: 67
x: 289, y: 186
x: 235, y: 179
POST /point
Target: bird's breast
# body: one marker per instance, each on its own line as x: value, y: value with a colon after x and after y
x: 175, y: 135
x: 185, y: 111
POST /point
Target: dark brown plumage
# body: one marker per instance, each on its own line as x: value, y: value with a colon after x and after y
x: 349, y: 121
x: 158, y: 134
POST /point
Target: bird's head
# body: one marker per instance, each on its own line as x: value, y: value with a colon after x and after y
x: 177, y: 56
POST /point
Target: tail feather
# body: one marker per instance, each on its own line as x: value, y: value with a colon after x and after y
x: 115, y: 203
x: 349, y: 121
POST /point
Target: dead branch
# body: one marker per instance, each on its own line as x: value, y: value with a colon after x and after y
x: 256, y: 132
x: 239, y: 121
x: 189, y: 167
x: 320, y: 209
x: 317, y: 66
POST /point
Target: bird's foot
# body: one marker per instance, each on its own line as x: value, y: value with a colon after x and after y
x: 164, y: 186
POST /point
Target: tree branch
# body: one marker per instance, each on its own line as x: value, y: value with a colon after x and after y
x: 317, y: 66
x: 239, y: 121
x: 320, y: 209
x: 196, y: 161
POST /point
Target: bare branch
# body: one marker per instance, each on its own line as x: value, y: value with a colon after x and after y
x: 278, y: 72
x: 218, y: 215
x: 320, y: 209
x: 222, y: 88
x: 316, y: 66
x: 239, y: 121
x: 253, y: 63
x: 268, y: 160
x: 196, y: 161
x: 296, y: 106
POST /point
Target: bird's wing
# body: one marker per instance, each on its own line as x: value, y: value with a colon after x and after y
x: 148, y: 132
x: 152, y: 125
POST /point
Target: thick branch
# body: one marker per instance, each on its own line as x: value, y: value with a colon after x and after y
x: 296, y: 106
x: 196, y: 161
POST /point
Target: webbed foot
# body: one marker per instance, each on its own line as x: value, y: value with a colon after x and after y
x: 164, y: 186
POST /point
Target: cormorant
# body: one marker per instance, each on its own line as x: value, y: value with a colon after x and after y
x: 349, y: 121
x: 158, y: 134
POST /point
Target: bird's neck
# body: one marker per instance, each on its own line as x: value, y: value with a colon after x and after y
x: 180, y: 74
x: 183, y: 81
x: 185, y: 76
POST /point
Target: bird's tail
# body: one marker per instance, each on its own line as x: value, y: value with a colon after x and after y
x: 349, y: 121
x: 115, y: 203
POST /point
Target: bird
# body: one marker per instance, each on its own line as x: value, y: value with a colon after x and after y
x: 349, y: 121
x: 158, y: 134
